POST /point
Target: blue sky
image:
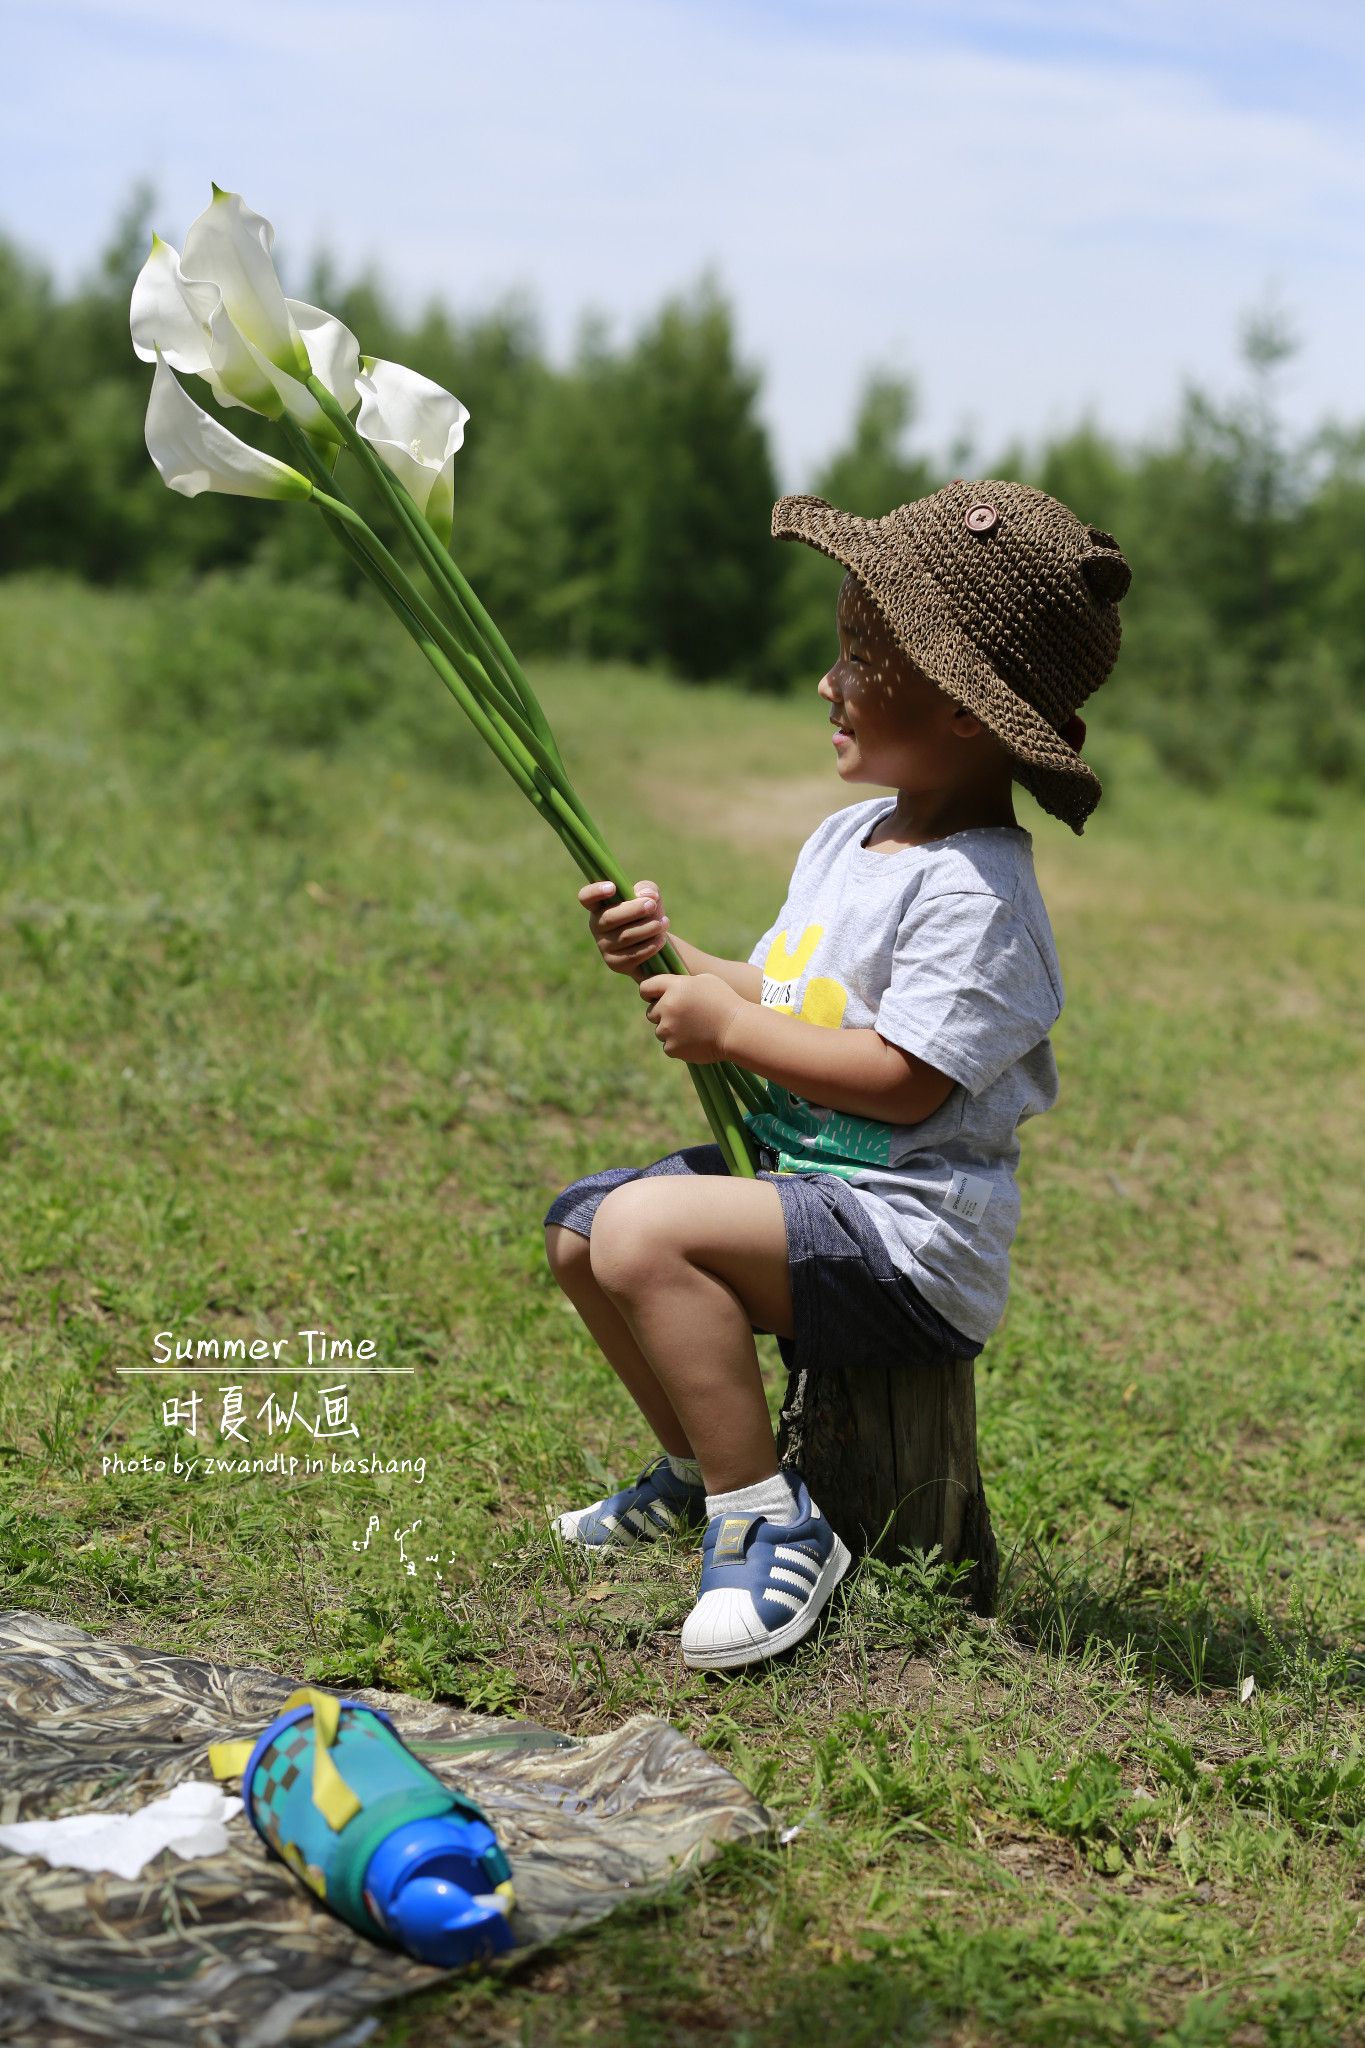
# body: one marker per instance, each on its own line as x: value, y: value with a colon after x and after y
x: 1037, y: 208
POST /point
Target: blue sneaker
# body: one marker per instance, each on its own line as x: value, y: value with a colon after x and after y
x: 764, y: 1585
x: 659, y: 1504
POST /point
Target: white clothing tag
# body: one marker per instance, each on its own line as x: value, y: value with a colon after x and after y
x: 778, y: 994
x: 967, y: 1196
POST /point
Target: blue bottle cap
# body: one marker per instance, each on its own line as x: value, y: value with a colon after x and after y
x: 427, y: 1886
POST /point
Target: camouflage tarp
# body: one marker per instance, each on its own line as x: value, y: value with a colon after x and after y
x: 230, y: 1951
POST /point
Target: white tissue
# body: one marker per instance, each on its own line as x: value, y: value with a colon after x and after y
x: 189, y: 1820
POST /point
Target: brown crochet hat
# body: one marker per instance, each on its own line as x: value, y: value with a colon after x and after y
x: 1004, y: 599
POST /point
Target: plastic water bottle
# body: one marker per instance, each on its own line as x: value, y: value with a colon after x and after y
x: 331, y: 1787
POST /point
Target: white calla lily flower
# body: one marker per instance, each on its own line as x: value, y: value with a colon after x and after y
x: 194, y: 452
x: 189, y: 320
x: 237, y: 373
x: 415, y: 428
x: 184, y: 318
x: 335, y: 355
x: 332, y: 349
x: 171, y: 313
x: 230, y: 246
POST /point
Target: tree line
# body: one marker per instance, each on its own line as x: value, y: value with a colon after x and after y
x: 619, y: 506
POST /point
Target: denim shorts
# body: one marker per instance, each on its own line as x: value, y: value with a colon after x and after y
x: 848, y: 1300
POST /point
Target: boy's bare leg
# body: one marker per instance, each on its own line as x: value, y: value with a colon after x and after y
x: 692, y: 1266
x: 568, y: 1254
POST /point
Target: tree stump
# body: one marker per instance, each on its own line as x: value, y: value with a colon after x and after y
x: 890, y: 1456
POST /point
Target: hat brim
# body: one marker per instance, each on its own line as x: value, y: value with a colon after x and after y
x: 918, y: 615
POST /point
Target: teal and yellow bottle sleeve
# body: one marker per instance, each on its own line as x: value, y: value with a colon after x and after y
x: 329, y: 1782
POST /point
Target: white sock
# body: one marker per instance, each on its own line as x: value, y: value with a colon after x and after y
x: 686, y: 1469
x: 771, y: 1497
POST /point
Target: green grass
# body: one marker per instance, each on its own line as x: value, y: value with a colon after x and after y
x: 309, y: 1035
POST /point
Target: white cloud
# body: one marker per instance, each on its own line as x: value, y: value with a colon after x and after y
x: 1031, y: 226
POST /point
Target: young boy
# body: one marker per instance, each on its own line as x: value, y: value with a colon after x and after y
x: 898, y: 1008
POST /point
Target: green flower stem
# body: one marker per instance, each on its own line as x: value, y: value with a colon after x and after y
x: 512, y: 666
x: 530, y: 776
x: 748, y: 1086
x: 415, y: 608
x: 720, y: 1112
x: 533, y: 780
x: 729, y: 1077
x: 440, y: 566
x: 341, y: 533
x: 483, y: 631
x: 456, y: 652
x: 434, y: 556
x: 406, y: 602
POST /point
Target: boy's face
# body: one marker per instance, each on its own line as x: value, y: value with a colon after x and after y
x: 907, y: 733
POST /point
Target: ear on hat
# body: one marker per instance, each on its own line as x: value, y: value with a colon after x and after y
x: 1108, y: 575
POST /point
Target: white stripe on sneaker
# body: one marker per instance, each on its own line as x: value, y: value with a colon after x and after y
x: 771, y: 1592
x: 779, y: 1571
x: 790, y: 1555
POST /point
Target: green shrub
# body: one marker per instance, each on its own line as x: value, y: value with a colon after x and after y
x: 239, y: 653
x: 265, y: 663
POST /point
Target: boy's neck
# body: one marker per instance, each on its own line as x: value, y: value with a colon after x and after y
x: 922, y: 815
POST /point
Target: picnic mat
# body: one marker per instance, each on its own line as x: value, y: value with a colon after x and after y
x: 229, y: 1951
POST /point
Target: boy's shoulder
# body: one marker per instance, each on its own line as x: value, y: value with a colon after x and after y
x: 997, y: 865
x: 988, y: 861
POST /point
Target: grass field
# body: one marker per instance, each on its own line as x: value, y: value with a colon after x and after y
x: 308, y: 1036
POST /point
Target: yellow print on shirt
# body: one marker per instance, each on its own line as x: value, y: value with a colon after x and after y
x: 825, y: 1137
x: 824, y: 1000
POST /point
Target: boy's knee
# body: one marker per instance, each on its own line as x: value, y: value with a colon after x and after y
x: 565, y: 1249
x: 621, y: 1245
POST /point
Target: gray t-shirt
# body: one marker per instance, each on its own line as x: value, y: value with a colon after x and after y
x: 946, y: 951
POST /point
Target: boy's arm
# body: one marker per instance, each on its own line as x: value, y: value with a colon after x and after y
x: 745, y: 980
x: 858, y: 1072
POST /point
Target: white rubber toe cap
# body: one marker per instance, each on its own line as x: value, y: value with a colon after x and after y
x: 568, y: 1527
x: 722, y: 1620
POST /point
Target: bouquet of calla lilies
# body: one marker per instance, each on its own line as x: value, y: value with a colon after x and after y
x: 218, y: 311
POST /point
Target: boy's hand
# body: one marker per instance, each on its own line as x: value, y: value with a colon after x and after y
x: 691, y: 1014
x: 625, y: 934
